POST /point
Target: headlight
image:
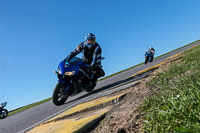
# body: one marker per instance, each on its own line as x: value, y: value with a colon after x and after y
x: 59, y: 70
x: 70, y: 73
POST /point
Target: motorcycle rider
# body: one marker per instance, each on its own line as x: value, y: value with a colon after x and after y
x: 3, y: 112
x: 91, y: 51
x: 152, y: 50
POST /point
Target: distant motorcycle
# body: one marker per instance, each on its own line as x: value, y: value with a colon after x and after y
x: 3, y: 112
x: 148, y: 57
x: 72, y: 79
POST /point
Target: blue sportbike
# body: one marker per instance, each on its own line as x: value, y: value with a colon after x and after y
x: 73, y: 77
x: 148, y: 57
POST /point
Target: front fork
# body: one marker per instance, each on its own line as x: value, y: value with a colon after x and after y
x: 66, y: 85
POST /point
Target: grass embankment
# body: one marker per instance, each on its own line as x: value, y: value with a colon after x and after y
x: 27, y: 107
x: 143, y: 62
x: 175, y: 104
x: 34, y: 104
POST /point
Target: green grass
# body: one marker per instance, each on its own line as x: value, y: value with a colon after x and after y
x: 175, y: 104
x: 143, y: 62
x: 177, y: 49
x: 119, y: 72
x: 28, y: 106
x: 34, y: 104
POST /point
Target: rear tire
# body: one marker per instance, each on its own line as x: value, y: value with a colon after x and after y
x: 151, y: 59
x: 94, y: 83
x: 4, y: 113
x: 58, y: 96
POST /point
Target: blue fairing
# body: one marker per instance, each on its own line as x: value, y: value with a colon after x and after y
x: 3, y: 104
x: 148, y: 54
x: 61, y: 80
x: 61, y: 67
x: 73, y: 67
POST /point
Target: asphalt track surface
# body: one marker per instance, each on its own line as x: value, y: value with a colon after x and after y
x: 29, y: 118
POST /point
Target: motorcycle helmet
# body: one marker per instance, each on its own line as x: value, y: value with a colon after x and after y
x: 90, y: 36
x: 150, y: 48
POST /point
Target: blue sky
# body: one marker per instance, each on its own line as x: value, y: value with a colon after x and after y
x: 35, y: 35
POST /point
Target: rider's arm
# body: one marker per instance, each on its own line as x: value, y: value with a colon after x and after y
x: 74, y: 53
x: 153, y: 51
x: 96, y: 55
x: 146, y: 52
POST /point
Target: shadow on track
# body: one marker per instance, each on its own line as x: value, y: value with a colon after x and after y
x: 121, y: 82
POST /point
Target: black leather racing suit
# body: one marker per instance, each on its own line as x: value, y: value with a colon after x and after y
x: 89, y: 56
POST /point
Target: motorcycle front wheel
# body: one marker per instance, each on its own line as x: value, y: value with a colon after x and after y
x: 146, y: 60
x: 58, y: 96
x: 3, y: 113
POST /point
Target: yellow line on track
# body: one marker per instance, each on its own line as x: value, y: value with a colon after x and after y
x: 155, y: 66
x: 63, y: 124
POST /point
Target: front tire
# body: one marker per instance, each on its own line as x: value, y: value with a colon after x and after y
x: 4, y: 113
x: 58, y: 96
x: 146, y: 60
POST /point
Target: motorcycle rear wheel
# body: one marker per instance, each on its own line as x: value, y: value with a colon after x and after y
x: 91, y: 88
x: 58, y: 96
x: 3, y: 113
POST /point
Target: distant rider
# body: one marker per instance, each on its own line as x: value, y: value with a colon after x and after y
x: 91, y: 51
x: 152, y: 50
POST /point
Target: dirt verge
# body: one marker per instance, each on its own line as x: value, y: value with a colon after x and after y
x: 125, y: 116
